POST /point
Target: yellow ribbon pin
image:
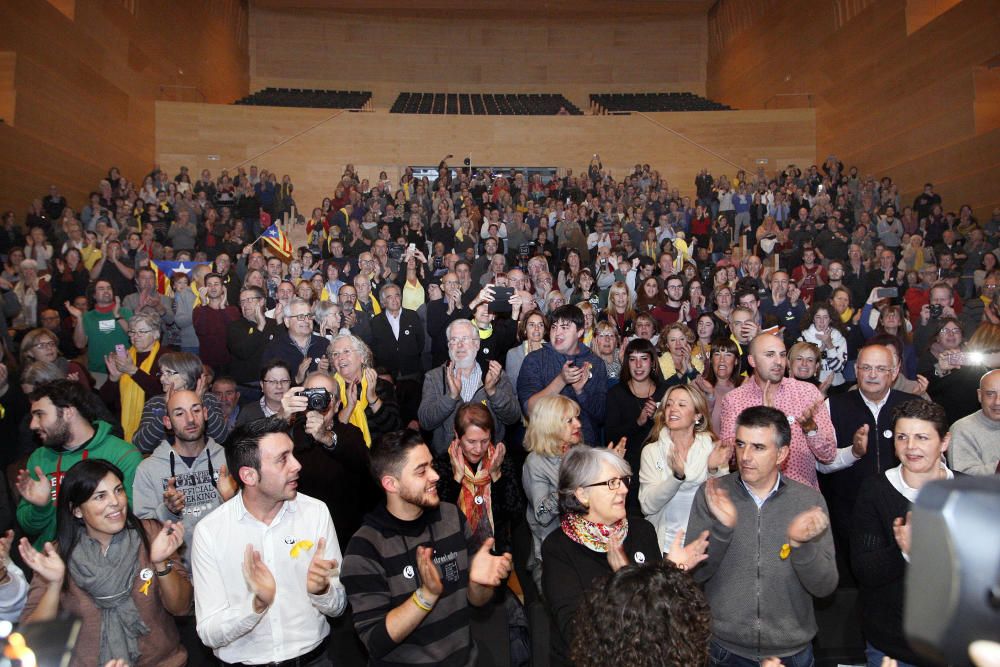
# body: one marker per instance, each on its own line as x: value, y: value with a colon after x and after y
x: 786, y: 551
x: 299, y: 547
x: 145, y: 587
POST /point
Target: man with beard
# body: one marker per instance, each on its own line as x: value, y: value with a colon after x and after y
x: 183, y: 482
x: 62, y: 418
x: 186, y: 480
x: 461, y: 381
x: 273, y: 609
x: 211, y: 320
x: 813, y: 438
x: 101, y: 329
x: 409, y: 572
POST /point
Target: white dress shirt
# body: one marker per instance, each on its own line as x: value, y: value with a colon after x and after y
x: 294, y: 624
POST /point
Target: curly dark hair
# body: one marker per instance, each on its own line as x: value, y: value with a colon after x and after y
x: 643, y: 615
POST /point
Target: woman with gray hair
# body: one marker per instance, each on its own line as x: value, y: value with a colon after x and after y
x: 327, y: 319
x: 179, y: 371
x: 134, y: 374
x: 596, y: 538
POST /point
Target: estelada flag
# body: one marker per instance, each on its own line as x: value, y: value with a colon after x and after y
x: 280, y: 245
x: 165, y: 269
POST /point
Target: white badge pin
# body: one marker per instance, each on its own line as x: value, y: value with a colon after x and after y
x: 289, y: 540
x: 146, y: 574
x: 408, y: 572
x: 479, y: 500
x: 640, y: 557
x: 887, y: 433
x: 791, y: 420
x: 406, y: 332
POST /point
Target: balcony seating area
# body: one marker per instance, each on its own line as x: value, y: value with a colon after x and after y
x: 494, y: 104
x: 306, y: 98
x: 612, y: 102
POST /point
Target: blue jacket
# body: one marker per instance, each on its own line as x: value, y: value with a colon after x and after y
x: 543, y: 365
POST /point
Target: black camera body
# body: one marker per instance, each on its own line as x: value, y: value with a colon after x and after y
x: 396, y: 251
x: 936, y: 310
x: 525, y: 248
x: 318, y: 398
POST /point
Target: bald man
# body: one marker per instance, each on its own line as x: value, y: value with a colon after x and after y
x: 975, y: 440
x: 185, y: 477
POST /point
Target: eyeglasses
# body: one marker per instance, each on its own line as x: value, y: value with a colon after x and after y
x: 166, y: 372
x: 951, y: 331
x: 250, y: 300
x: 278, y: 383
x: 301, y: 317
x: 140, y: 332
x: 460, y: 340
x: 614, y: 483
x: 864, y: 369
x: 44, y: 343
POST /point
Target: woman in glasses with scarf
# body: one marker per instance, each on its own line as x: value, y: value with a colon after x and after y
x: 595, y: 538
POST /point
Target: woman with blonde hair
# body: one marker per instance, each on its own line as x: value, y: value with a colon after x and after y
x: 554, y: 428
x: 619, y: 311
x: 606, y: 346
x: 677, y: 362
x: 681, y: 453
x: 43, y: 345
x: 589, y: 320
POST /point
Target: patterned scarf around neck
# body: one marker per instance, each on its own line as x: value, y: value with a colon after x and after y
x: 475, y: 500
x: 594, y: 536
x: 108, y: 579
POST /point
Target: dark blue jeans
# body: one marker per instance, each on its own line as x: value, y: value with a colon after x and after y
x: 720, y: 657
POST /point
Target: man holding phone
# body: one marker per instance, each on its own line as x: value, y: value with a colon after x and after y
x: 941, y: 304
x: 567, y: 367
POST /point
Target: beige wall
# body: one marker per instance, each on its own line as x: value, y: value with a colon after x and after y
x: 77, y: 85
x: 391, y: 52
x: 282, y: 141
x: 914, y: 106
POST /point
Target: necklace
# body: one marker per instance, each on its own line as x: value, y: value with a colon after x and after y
x: 632, y: 384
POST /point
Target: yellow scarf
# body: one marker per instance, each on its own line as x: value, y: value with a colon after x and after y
x: 358, y: 414
x: 375, y: 307
x: 846, y: 316
x: 132, y: 395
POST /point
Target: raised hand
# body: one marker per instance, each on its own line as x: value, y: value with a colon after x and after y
x: 719, y: 503
x: 72, y: 310
x: 677, y: 460
x: 351, y: 391
x: 174, y: 500
x: 167, y: 542
x: 37, y: 491
x: 453, y: 377
x: 721, y: 455
x: 496, y: 457
x: 902, y: 530
x: 430, y: 578
x: 824, y: 386
x: 648, y: 410
x: 859, y: 443
x: 619, y: 448
x: 687, y: 557
x: 46, y: 564
x: 492, y: 377
x: 922, y: 383
x: 807, y: 419
x: 258, y: 578
x: 6, y: 540
x: 807, y: 526
x: 487, y: 569
x: 457, y: 458
x: 291, y: 402
x: 320, y: 570
x: 111, y: 362
x: 372, y: 377
x: 617, y: 558
x: 769, y: 390
x: 226, y: 485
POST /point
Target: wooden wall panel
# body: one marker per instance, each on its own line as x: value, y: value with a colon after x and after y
x: 889, y: 98
x: 389, y: 53
x: 85, y: 84
x: 187, y: 134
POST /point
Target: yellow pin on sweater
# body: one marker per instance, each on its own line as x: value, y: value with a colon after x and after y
x: 299, y: 547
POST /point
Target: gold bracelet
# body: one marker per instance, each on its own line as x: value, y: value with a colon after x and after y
x: 420, y: 603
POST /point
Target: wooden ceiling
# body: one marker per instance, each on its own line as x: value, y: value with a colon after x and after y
x: 512, y: 9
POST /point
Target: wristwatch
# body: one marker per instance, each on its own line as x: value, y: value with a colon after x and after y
x: 167, y: 570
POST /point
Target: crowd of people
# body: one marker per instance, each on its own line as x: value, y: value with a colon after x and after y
x: 721, y: 404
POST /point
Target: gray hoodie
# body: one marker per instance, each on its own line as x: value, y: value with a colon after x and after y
x: 197, y: 484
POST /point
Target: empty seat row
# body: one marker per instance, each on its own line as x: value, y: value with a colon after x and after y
x: 610, y: 102
x: 497, y: 104
x: 298, y: 97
